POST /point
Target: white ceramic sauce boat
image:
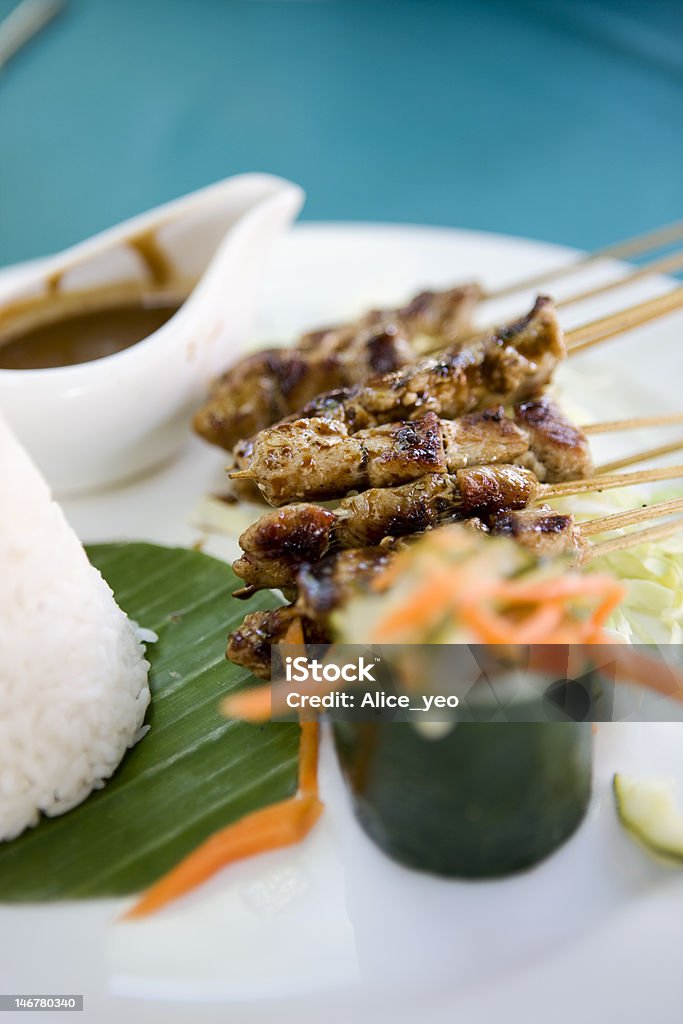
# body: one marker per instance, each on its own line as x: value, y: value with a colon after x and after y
x: 95, y: 423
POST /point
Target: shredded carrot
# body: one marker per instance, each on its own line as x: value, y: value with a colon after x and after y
x: 541, y: 623
x: 420, y: 609
x: 261, y: 703
x: 486, y: 625
x: 473, y: 601
x: 532, y: 591
x: 611, y: 601
x: 553, y: 658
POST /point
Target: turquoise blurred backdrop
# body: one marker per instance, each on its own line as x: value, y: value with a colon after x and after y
x: 556, y: 120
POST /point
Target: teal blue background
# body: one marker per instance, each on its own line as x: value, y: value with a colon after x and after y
x: 557, y: 120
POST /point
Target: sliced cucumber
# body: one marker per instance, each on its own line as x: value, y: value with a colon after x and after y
x: 647, y: 809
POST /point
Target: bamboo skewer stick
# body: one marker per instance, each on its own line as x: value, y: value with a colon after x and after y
x: 666, y: 265
x: 643, y: 456
x: 633, y: 423
x: 587, y: 335
x: 619, y: 520
x: 668, y: 234
x: 631, y: 540
x: 608, y: 482
x: 651, y: 240
x: 596, y: 331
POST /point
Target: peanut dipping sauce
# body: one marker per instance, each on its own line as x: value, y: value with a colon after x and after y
x: 80, y: 337
x: 67, y: 328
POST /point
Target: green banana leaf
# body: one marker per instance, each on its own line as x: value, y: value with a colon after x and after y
x: 193, y: 773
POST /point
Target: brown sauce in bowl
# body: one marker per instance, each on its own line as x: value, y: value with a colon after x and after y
x: 65, y: 328
x: 76, y: 335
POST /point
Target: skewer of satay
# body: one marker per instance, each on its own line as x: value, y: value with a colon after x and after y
x: 512, y: 363
x: 509, y: 366
x: 315, y: 458
x: 268, y: 385
x: 281, y: 541
x: 323, y: 588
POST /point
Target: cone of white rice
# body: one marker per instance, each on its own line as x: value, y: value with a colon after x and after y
x: 73, y: 676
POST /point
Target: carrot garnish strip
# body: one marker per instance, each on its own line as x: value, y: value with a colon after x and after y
x: 254, y: 705
x: 272, y: 828
x: 540, y: 624
x: 282, y: 824
x: 308, y: 759
x: 611, y: 601
x: 260, y: 703
x: 295, y: 633
x: 633, y: 667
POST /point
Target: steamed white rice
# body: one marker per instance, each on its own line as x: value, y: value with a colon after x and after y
x: 73, y: 676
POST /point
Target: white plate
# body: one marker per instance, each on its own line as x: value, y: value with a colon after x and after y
x: 333, y: 930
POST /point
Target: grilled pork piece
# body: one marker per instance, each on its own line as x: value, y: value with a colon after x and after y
x: 559, y: 450
x: 284, y: 539
x: 278, y: 543
x: 250, y: 644
x: 318, y: 458
x: 429, y: 316
x: 268, y: 385
x: 321, y: 588
x: 542, y: 530
x: 367, y: 518
x: 484, y: 490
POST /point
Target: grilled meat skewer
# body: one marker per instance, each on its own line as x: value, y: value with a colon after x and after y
x: 317, y: 458
x: 326, y: 586
x: 270, y: 384
x: 282, y: 540
x: 511, y: 365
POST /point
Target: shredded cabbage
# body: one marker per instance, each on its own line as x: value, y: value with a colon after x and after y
x: 652, y: 611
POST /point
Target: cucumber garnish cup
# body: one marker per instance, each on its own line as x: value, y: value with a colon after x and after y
x: 481, y: 798
x: 485, y: 799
